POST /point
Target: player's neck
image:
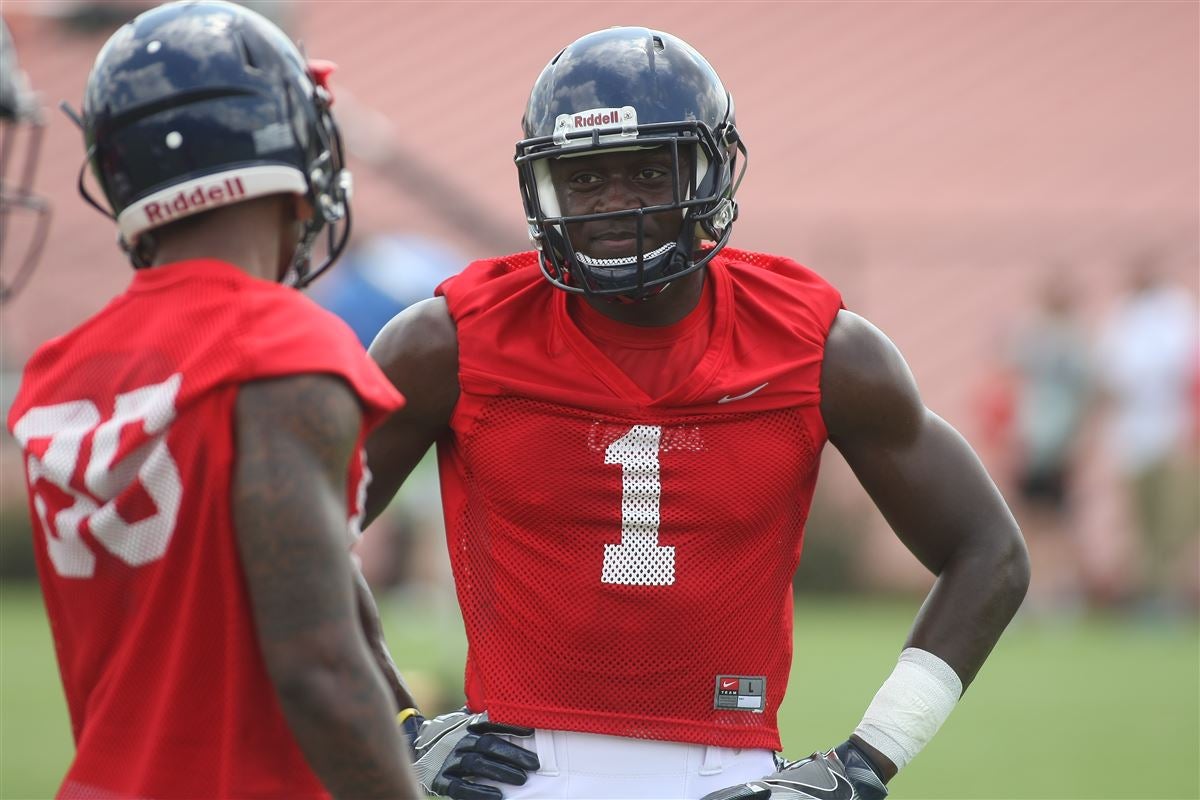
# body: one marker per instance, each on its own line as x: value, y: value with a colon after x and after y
x: 667, y: 307
x: 248, y: 237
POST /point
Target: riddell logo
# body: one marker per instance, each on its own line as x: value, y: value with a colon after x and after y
x: 597, y: 118
x: 186, y: 202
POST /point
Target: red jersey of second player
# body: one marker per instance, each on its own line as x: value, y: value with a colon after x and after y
x: 127, y: 424
x: 623, y: 555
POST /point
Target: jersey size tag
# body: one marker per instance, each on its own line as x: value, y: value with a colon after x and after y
x: 740, y: 693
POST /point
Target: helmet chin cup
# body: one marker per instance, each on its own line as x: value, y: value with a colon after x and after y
x: 619, y: 274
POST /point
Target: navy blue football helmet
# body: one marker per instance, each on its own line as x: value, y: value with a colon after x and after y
x: 623, y: 89
x: 195, y: 105
x: 21, y: 127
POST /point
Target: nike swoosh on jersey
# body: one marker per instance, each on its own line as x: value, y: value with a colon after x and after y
x: 841, y: 789
x: 728, y: 684
x: 755, y: 390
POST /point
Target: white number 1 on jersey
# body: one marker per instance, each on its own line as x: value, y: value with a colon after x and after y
x: 639, y: 560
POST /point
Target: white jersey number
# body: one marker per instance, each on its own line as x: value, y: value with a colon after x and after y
x: 639, y: 560
x: 66, y: 426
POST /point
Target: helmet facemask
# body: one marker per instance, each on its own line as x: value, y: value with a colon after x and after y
x: 631, y: 88
x: 22, y: 210
x: 329, y: 188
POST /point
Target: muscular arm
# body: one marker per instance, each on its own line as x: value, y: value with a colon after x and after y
x: 933, y: 491
x: 418, y: 351
x: 295, y: 438
x: 372, y: 627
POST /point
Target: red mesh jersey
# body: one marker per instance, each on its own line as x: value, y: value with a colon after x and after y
x: 655, y: 358
x: 620, y: 558
x: 127, y: 424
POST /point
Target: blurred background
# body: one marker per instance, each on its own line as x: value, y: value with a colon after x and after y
x: 1011, y: 191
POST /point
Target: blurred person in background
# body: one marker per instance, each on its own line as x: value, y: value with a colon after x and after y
x: 1148, y: 357
x: 21, y: 208
x: 194, y: 450
x: 1051, y: 363
x: 629, y: 420
x: 380, y: 276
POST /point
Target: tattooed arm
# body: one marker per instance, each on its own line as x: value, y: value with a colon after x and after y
x: 295, y: 438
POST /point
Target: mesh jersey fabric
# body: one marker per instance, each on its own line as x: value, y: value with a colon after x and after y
x: 655, y: 358
x: 127, y: 424
x: 616, y: 553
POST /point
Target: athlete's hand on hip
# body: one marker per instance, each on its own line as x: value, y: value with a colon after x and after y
x: 821, y: 776
x: 864, y: 777
x: 452, y: 751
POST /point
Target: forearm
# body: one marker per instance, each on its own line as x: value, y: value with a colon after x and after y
x: 368, y: 613
x: 973, y: 599
x: 380, y: 491
x: 938, y: 498
x: 344, y: 722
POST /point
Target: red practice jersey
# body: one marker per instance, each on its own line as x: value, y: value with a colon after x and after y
x: 127, y: 424
x: 623, y: 561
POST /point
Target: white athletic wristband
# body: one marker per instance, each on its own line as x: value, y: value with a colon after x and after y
x: 910, y: 706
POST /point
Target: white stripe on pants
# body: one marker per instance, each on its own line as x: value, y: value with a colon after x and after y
x: 588, y: 766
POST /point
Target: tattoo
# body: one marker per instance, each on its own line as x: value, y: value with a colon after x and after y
x: 291, y: 479
x: 295, y: 439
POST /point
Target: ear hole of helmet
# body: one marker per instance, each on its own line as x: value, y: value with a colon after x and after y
x: 247, y: 52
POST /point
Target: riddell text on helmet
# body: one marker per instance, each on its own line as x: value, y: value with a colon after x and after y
x: 595, y: 119
x: 186, y: 202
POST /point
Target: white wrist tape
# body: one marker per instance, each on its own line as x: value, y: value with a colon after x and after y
x: 910, y: 706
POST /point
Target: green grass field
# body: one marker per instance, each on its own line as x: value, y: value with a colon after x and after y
x: 1094, y: 709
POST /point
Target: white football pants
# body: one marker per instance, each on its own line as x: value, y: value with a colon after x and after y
x: 588, y: 766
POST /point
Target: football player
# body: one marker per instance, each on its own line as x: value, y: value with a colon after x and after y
x: 629, y: 420
x: 193, y: 451
x: 21, y: 127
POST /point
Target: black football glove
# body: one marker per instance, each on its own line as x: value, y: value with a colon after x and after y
x: 452, y: 750
x: 861, y: 772
x: 821, y: 776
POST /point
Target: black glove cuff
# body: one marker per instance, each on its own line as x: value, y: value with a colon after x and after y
x: 861, y: 770
x: 410, y: 721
